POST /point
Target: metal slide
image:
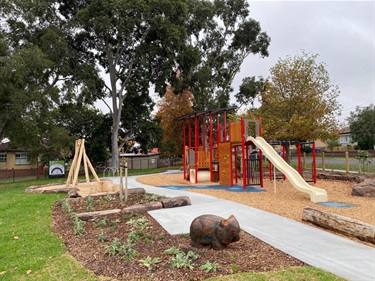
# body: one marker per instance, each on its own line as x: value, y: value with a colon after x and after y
x: 316, y: 194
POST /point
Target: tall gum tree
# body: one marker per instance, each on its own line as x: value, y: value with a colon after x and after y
x: 224, y: 35
x: 134, y: 42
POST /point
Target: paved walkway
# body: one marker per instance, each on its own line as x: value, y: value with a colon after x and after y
x: 343, y: 257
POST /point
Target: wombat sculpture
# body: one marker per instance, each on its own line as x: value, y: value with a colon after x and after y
x: 214, y: 231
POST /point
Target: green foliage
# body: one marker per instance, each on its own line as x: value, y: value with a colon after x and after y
x: 364, y: 159
x: 223, y: 35
x: 332, y: 144
x: 89, y: 204
x: 361, y: 123
x: 172, y: 251
x: 103, y: 222
x: 249, y: 90
x: 234, y: 268
x: 102, y: 236
x: 78, y: 226
x: 210, y: 267
x: 149, y: 262
x: 129, y: 252
x: 184, y: 260
x: 300, y: 101
x: 114, y: 247
x: 139, y: 223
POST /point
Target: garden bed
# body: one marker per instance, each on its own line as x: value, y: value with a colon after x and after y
x: 135, y: 246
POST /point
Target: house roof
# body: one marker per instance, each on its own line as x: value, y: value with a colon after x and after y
x: 6, y: 146
x: 344, y: 130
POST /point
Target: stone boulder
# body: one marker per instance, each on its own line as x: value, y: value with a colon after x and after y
x: 365, y: 188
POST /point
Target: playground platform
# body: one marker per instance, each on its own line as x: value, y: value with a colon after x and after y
x: 343, y: 257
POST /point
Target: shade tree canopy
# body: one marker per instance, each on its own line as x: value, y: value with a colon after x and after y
x: 361, y: 123
x: 300, y: 101
x: 221, y: 35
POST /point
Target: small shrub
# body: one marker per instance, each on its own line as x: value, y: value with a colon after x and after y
x: 149, y: 262
x: 129, y: 252
x: 109, y: 197
x: 210, y: 267
x: 102, y: 237
x: 114, y: 248
x: 172, y: 251
x: 182, y: 260
x: 78, y: 226
x: 89, y: 204
x: 103, y: 222
x: 140, y: 223
x: 234, y: 268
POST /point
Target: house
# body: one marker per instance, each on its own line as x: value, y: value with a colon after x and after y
x: 14, y: 162
x: 345, y: 138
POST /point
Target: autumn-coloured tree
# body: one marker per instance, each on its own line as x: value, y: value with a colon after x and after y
x: 300, y: 101
x: 170, y: 107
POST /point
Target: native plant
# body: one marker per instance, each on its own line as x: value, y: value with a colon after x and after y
x: 102, y: 236
x: 114, y: 248
x: 210, y: 267
x: 78, y: 226
x: 184, y: 260
x: 149, y: 262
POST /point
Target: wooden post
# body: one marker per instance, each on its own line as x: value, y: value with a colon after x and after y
x: 80, y: 144
x: 347, y: 162
x: 80, y: 155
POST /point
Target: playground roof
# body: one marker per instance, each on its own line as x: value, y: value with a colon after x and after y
x: 205, y: 112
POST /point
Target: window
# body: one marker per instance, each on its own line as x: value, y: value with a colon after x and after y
x: 22, y: 159
x: 3, y: 156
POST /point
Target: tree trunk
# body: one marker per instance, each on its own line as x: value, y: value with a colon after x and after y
x: 142, y: 208
x: 176, y: 201
x: 344, y: 225
x: 97, y: 214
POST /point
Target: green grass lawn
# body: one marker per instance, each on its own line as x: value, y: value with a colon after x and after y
x: 30, y: 251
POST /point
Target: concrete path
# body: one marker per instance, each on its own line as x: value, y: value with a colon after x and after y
x: 343, y: 257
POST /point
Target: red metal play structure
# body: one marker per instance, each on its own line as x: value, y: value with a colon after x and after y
x: 220, y: 151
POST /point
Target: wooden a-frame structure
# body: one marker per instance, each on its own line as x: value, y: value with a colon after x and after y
x: 79, y: 156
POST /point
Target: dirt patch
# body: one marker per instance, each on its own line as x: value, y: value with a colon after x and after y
x: 140, y: 237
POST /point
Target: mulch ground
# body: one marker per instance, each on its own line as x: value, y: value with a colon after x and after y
x: 139, y: 237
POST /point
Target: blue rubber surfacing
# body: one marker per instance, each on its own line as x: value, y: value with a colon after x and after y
x: 235, y: 188
x: 336, y: 204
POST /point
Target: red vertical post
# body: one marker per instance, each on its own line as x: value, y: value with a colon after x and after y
x: 184, y: 136
x: 314, y: 162
x: 196, y: 145
x: 243, y: 152
x: 189, y: 132
x: 211, y: 137
x: 244, y: 176
x: 204, y: 137
x: 218, y: 129
x: 299, y: 158
x: 225, y: 127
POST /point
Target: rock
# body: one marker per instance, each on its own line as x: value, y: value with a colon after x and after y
x: 365, y: 188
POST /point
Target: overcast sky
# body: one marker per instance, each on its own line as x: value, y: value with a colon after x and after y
x: 342, y: 33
